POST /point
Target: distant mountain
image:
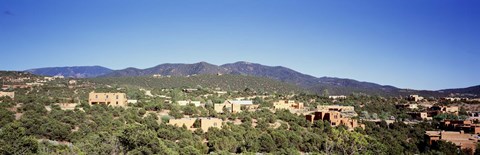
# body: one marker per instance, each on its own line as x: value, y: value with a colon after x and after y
x: 75, y: 72
x: 335, y: 86
x: 170, y: 69
x: 464, y: 92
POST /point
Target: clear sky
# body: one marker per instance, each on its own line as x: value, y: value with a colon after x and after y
x: 419, y: 44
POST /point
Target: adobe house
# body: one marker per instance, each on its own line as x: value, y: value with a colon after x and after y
x: 9, y: 94
x: 334, y: 117
x: 203, y: 123
x: 287, y: 104
x: 232, y: 107
x: 113, y: 99
x: 460, y: 125
x: 459, y: 138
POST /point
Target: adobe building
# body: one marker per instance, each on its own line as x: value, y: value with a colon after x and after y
x: 334, y: 117
x: 460, y: 125
x: 346, y: 111
x: 337, y: 97
x: 421, y: 115
x: 231, y: 107
x: 67, y: 106
x: 459, y: 138
x: 338, y: 108
x: 113, y: 99
x: 415, y: 98
x: 445, y: 109
x: 288, y: 104
x: 9, y: 94
x: 187, y: 102
x: 407, y: 106
x: 204, y: 123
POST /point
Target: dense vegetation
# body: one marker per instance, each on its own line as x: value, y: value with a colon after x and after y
x: 34, y: 124
x: 225, y: 82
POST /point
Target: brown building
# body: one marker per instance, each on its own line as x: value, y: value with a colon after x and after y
x: 194, y: 123
x: 460, y: 125
x: 459, y: 138
x: 334, y: 117
x: 113, y: 99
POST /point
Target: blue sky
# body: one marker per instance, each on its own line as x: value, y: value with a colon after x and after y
x: 427, y: 44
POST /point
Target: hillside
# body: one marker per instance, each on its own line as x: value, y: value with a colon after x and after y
x: 224, y: 82
x: 75, y: 72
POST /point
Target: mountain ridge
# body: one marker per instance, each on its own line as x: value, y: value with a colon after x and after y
x: 334, y: 85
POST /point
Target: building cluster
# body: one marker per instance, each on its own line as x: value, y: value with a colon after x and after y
x: 455, y: 99
x: 431, y: 111
x: 460, y: 125
x: 459, y: 138
x: 336, y: 115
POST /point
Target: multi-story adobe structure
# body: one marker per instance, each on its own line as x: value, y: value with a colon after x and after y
x: 9, y: 94
x: 459, y: 138
x: 192, y: 124
x: 334, y: 117
x: 287, y: 104
x: 113, y: 99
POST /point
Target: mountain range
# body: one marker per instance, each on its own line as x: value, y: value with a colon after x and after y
x: 334, y: 86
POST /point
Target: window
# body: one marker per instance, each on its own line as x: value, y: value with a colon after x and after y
x: 96, y: 96
x: 107, y: 96
x: 117, y: 102
x: 117, y: 97
x: 214, y: 124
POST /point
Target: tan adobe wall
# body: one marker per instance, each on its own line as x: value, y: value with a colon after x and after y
x: 113, y: 99
x: 234, y: 108
x: 184, y: 121
x: 206, y: 123
x: 9, y: 94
